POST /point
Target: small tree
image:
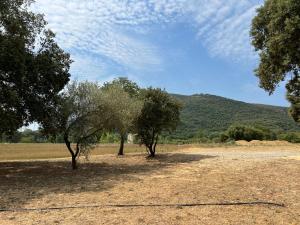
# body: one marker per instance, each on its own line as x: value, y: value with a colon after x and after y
x: 275, y: 34
x: 81, y: 117
x: 125, y: 109
x: 124, y: 98
x: 160, y: 113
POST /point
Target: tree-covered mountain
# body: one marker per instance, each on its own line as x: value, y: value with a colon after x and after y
x: 211, y: 113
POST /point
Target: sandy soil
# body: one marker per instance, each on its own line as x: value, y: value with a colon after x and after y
x: 193, y: 175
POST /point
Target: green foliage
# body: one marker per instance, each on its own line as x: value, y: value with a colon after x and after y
x: 14, y: 137
x: 160, y: 113
x: 128, y: 86
x: 122, y: 97
x: 30, y: 136
x: 201, y: 134
x: 248, y: 133
x: 211, y: 113
x: 109, y: 137
x: 275, y: 34
x: 124, y: 107
x: 268, y: 134
x: 26, y: 136
x: 245, y: 133
x: 293, y: 96
x: 33, y: 68
x: 224, y: 137
x: 293, y: 137
x: 82, y: 116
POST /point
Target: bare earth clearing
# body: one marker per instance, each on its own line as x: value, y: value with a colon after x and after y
x: 258, y: 172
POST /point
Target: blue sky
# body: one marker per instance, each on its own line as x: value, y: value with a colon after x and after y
x: 184, y: 46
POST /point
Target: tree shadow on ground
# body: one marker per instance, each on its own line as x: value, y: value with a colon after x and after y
x: 22, y: 181
x: 173, y: 158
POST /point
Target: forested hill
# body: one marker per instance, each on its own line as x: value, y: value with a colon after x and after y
x: 214, y: 114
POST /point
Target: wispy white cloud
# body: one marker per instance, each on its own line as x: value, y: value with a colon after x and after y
x: 96, y: 27
x: 87, y: 67
x: 226, y: 33
x: 112, y: 29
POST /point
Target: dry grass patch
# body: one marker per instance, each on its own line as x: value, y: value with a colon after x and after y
x: 200, y: 175
x: 24, y: 151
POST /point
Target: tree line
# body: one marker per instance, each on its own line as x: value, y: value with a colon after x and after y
x: 234, y: 133
x: 86, y: 111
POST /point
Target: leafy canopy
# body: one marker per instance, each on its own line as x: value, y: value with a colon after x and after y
x: 124, y: 107
x: 81, y: 116
x: 33, y: 68
x: 83, y: 112
x: 160, y: 113
x: 127, y: 85
x: 276, y: 33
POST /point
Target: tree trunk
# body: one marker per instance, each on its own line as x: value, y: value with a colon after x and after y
x: 151, y: 151
x: 68, y: 144
x: 152, y: 154
x: 152, y: 146
x: 121, y: 149
x: 155, y: 143
x: 74, y: 163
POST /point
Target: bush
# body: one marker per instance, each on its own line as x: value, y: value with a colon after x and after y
x: 224, y: 137
x: 200, y: 134
x: 245, y: 133
x: 27, y: 140
x: 292, y: 137
x: 107, y: 138
x: 268, y: 134
x: 214, y: 135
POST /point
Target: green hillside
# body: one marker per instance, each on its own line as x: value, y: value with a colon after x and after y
x: 215, y: 114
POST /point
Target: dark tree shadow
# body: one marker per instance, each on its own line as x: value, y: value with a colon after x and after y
x: 22, y: 181
x: 173, y: 158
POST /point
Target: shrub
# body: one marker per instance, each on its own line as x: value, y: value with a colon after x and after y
x: 109, y: 138
x: 245, y: 133
x: 268, y: 134
x: 292, y: 137
x: 224, y: 137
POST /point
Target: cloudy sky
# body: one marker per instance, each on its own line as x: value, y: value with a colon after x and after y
x: 184, y: 46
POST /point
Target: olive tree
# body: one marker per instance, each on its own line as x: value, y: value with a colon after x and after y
x: 82, y: 116
x: 33, y: 68
x: 125, y: 109
x: 275, y: 35
x: 127, y: 85
x: 160, y: 113
x: 126, y: 104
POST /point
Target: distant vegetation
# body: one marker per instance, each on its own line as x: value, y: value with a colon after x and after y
x: 207, y: 116
x: 248, y: 133
x: 209, y: 119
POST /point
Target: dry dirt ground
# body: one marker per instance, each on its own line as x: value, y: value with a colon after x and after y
x: 192, y: 175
